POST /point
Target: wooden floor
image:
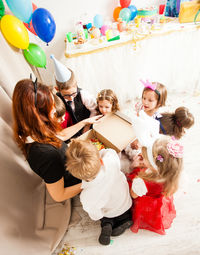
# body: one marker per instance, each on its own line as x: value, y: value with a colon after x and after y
x: 183, y: 238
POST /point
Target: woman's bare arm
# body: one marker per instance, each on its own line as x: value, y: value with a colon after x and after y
x: 68, y: 132
x: 59, y: 193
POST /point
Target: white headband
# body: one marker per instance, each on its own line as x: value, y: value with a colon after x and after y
x: 150, y: 158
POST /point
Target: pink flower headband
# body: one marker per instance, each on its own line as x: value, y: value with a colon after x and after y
x: 175, y: 148
x: 151, y: 86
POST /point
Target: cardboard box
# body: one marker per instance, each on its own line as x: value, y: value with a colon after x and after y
x: 114, y: 130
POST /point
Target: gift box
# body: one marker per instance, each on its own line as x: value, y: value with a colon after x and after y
x: 188, y: 11
x: 114, y: 130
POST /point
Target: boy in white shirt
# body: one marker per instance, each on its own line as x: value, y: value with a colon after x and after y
x: 105, y: 193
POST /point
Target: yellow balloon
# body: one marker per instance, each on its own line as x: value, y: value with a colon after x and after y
x: 14, y: 31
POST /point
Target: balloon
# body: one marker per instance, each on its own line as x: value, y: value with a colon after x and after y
x: 125, y: 14
x: 125, y: 3
x: 116, y: 12
x: 103, y: 29
x: 35, y: 55
x: 22, y: 9
x: 2, y: 9
x: 98, y: 21
x: 133, y: 10
x: 30, y: 25
x: 14, y: 31
x: 44, y: 24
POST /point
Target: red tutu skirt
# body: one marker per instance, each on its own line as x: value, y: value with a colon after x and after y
x: 152, y: 211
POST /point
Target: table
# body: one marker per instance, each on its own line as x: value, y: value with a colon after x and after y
x: 170, y: 56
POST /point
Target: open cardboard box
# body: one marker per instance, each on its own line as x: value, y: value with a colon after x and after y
x: 114, y: 130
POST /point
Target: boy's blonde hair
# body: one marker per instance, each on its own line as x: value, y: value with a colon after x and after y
x: 169, y: 168
x: 83, y: 159
x: 110, y: 96
x: 161, y: 93
x: 175, y: 123
x: 68, y: 84
x: 59, y: 105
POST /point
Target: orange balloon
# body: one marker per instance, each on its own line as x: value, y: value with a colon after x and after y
x: 116, y: 12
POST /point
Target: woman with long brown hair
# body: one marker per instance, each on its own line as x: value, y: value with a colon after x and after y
x: 39, y: 136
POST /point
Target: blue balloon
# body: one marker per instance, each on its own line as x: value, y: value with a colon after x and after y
x: 22, y: 9
x: 44, y: 24
x: 98, y: 21
x: 125, y: 14
x: 133, y: 10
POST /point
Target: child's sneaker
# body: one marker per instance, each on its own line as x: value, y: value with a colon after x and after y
x: 104, y: 237
x: 121, y: 229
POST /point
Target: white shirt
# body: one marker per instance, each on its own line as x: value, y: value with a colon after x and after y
x: 88, y: 100
x: 146, y: 128
x: 108, y: 194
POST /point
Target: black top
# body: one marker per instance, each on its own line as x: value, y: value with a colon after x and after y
x: 49, y: 163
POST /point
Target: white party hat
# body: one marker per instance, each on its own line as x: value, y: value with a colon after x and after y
x: 62, y: 73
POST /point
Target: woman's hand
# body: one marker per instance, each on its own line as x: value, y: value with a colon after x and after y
x: 92, y: 120
x: 68, y: 132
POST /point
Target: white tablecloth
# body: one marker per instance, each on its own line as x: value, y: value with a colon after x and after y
x: 172, y: 59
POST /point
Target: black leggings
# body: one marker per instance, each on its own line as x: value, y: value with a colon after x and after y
x: 117, y: 221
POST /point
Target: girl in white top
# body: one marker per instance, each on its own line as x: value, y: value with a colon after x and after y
x: 154, y: 96
x: 105, y: 193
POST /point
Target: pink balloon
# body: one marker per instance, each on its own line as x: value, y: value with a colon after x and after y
x: 103, y: 29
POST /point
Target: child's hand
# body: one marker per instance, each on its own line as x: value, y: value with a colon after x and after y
x: 137, y: 161
x: 133, y: 195
x: 135, y: 145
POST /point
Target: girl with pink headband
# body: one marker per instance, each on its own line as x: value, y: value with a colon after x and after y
x: 153, y: 186
x: 154, y: 96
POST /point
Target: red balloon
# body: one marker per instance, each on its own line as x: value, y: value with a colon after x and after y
x: 30, y: 25
x: 125, y: 3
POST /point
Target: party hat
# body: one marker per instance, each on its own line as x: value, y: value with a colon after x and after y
x: 62, y: 73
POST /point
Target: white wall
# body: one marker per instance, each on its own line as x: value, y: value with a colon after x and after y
x: 66, y: 13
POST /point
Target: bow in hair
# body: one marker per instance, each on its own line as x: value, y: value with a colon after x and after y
x: 148, y: 84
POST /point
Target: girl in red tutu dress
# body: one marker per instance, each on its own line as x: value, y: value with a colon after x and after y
x: 152, y: 187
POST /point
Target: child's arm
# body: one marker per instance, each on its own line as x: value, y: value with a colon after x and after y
x: 94, y: 212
